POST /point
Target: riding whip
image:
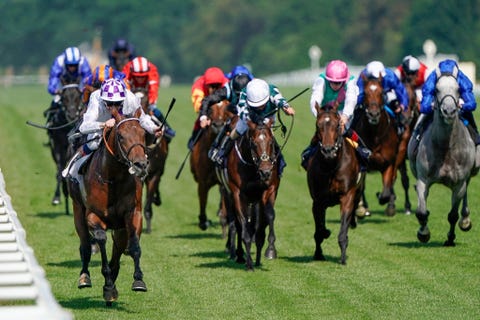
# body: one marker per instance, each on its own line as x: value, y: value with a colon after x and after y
x: 199, y: 133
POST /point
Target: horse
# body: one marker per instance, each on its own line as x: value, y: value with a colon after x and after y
x: 333, y: 178
x: 249, y: 193
x: 412, y: 114
x: 202, y: 168
x: 61, y: 121
x: 157, y: 152
x: 447, y: 155
x: 109, y: 197
x: 121, y: 59
x: 376, y: 127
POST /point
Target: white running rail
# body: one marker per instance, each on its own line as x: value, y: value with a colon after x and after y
x: 24, y: 290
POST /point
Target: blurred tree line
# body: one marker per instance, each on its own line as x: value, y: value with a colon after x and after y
x: 183, y: 38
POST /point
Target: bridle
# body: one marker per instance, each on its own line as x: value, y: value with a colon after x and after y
x: 122, y: 157
x: 331, y: 151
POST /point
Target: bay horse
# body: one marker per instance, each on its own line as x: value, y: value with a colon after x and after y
x: 412, y: 113
x: 109, y: 197
x: 333, y: 178
x: 202, y: 168
x: 121, y: 57
x: 61, y: 121
x: 447, y: 155
x: 376, y: 127
x: 250, y: 191
x: 157, y: 152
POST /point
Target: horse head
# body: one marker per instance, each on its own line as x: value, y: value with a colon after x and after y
x: 262, y: 148
x: 142, y: 94
x: 71, y: 98
x: 121, y: 59
x: 218, y: 114
x: 329, y: 131
x: 447, y: 98
x: 373, y: 99
x: 126, y: 142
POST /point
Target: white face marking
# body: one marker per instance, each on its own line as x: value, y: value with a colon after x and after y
x: 262, y: 137
x: 327, y: 119
x: 373, y: 87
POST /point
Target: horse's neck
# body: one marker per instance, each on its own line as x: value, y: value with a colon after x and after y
x: 443, y: 134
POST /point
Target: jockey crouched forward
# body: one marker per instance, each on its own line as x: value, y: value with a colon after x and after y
x: 258, y: 100
x: 468, y: 103
x: 336, y: 87
x: 395, y: 94
x: 112, y: 94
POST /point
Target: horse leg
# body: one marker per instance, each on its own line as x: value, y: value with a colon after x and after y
x: 56, y: 195
x: 362, y: 205
x: 248, y: 232
x: 110, y: 293
x: 271, y: 251
x: 457, y: 195
x: 85, y: 248
x: 259, y: 231
x: 406, y: 185
x: 321, y: 232
x: 346, y: 212
x: 423, y: 234
x: 203, y: 223
x: 147, y: 210
x: 465, y: 224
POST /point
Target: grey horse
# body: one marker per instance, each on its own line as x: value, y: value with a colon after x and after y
x: 446, y: 154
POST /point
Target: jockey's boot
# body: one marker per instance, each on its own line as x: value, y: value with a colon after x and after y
x: 79, y: 154
x: 213, y: 151
x: 168, y: 131
x: 362, y: 150
x: 472, y: 127
x: 223, y: 150
x: 309, y: 151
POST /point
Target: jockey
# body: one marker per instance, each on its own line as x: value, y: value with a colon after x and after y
x: 239, y: 78
x: 141, y: 73
x: 212, y: 79
x: 468, y: 103
x: 120, y: 46
x: 396, y: 96
x: 337, y: 88
x: 99, y: 75
x: 70, y: 63
x: 258, y: 101
x: 411, y: 67
x: 112, y: 94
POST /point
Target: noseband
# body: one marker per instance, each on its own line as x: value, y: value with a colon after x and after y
x: 123, y: 156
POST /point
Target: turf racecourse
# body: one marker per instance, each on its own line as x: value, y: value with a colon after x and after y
x: 389, y: 274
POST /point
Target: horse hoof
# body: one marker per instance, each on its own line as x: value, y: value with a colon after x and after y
x: 390, y: 211
x: 84, y: 281
x: 423, y: 237
x: 271, y: 253
x: 156, y: 200
x: 110, y: 294
x: 139, y: 285
x: 319, y: 257
x: 56, y: 201
x: 382, y: 200
x: 465, y: 224
x: 449, y: 243
x: 204, y: 225
x: 408, y: 212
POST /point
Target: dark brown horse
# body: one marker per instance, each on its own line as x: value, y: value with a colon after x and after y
x: 378, y: 130
x: 61, y: 121
x: 333, y: 178
x: 157, y: 151
x: 202, y: 168
x: 109, y: 196
x: 121, y: 59
x: 250, y: 192
x: 412, y: 114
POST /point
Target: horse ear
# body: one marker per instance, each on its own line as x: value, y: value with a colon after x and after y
x: 138, y: 112
x: 318, y: 108
x: 115, y: 114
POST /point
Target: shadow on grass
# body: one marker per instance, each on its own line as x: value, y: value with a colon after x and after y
x: 73, y: 264
x: 51, y: 215
x: 309, y: 259
x: 193, y: 236
x: 90, y: 303
x: 417, y: 244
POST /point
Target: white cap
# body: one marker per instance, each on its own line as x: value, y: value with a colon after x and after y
x: 258, y: 93
x: 375, y: 69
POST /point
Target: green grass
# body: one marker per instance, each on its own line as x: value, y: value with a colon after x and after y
x: 389, y: 274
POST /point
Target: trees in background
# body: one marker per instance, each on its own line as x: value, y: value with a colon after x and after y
x: 183, y: 38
